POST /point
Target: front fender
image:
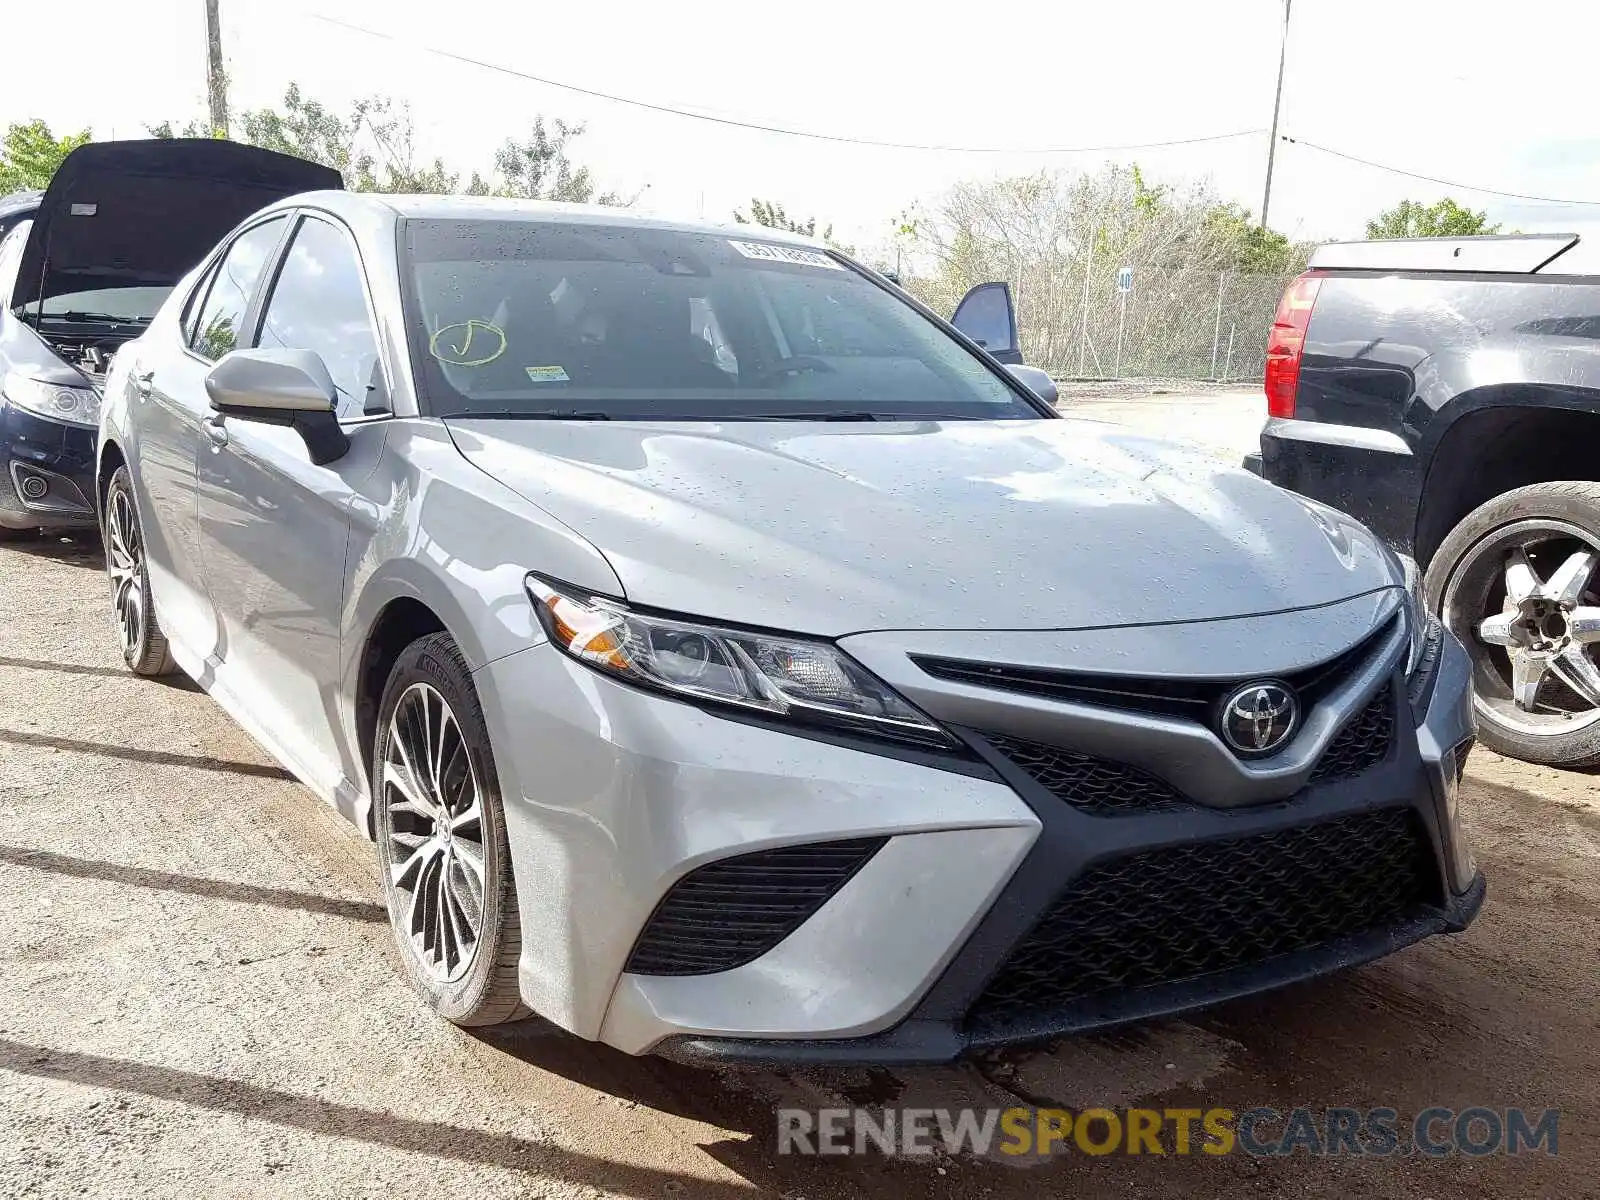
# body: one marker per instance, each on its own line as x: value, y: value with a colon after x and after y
x: 430, y: 527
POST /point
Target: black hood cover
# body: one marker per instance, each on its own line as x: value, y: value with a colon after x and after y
x: 143, y: 213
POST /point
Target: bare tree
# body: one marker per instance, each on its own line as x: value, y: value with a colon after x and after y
x: 1199, y: 268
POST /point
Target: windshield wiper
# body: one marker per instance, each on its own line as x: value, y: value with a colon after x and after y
x: 591, y: 415
x: 818, y: 415
x: 104, y: 318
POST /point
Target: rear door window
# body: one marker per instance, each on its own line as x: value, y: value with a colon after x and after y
x: 197, y: 301
x: 986, y: 315
x: 220, y: 324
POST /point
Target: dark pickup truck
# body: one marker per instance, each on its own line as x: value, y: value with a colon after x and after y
x: 1446, y: 392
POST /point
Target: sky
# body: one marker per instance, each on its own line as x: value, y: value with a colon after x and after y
x: 1491, y: 94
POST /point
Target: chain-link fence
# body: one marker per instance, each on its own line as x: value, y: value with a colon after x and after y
x: 1201, y: 282
x: 1170, y: 324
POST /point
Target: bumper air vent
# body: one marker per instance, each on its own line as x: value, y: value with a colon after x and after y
x: 732, y: 911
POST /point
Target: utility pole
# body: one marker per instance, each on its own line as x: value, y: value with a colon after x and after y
x: 216, y: 82
x: 1277, y: 103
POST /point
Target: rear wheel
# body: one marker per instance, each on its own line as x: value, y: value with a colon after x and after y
x: 1518, y: 581
x: 144, y: 646
x: 441, y: 839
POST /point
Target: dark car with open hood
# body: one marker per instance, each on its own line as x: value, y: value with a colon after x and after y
x: 83, y: 268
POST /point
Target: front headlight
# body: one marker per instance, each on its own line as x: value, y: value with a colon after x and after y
x: 788, y: 677
x: 74, y: 405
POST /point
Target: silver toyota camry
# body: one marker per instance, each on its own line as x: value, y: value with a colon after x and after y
x: 732, y: 660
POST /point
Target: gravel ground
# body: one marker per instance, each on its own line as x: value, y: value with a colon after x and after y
x: 1225, y: 419
x: 199, y: 997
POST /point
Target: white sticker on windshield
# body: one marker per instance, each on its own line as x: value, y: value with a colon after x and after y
x: 798, y: 255
x: 547, y: 374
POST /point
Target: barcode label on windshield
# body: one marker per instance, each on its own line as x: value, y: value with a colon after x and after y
x: 799, y: 256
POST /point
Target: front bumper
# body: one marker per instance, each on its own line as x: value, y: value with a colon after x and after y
x: 1371, y: 475
x: 613, y: 796
x: 46, y: 472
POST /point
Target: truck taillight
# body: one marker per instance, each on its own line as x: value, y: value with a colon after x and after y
x: 1286, y: 343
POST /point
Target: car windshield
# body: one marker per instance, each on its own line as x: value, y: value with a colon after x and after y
x: 536, y: 319
x: 108, y: 304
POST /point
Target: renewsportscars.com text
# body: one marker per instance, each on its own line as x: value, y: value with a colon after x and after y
x: 1015, y: 1132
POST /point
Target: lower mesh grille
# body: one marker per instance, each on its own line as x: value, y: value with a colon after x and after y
x: 1093, y: 785
x: 1175, y: 913
x: 732, y: 911
x: 1105, y: 788
x: 1363, y: 743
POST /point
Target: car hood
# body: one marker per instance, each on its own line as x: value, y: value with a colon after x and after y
x: 143, y: 213
x: 833, y: 528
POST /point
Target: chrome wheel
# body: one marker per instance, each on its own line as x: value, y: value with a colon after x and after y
x: 435, y: 833
x: 1524, y: 602
x: 125, y: 566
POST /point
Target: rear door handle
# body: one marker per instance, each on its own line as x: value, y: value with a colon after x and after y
x: 216, y: 431
x: 142, y: 383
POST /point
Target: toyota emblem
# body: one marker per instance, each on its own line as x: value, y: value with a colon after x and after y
x: 1259, y: 718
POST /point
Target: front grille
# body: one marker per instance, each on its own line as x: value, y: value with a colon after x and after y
x: 1111, y: 789
x: 1362, y: 743
x: 1191, y: 699
x: 1092, y: 785
x: 1175, y: 913
x: 731, y: 912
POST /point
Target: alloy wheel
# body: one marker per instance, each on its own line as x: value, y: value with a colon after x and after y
x: 435, y: 833
x: 1524, y: 601
x: 125, y: 566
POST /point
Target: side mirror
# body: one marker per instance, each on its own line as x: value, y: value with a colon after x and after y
x: 1036, y: 381
x: 291, y: 388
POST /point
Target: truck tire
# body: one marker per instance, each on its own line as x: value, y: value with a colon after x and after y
x: 1518, y: 581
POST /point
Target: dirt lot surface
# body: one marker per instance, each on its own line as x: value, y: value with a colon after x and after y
x: 199, y: 998
x: 1223, y: 418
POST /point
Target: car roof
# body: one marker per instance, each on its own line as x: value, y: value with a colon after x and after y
x: 500, y: 208
x: 19, y: 202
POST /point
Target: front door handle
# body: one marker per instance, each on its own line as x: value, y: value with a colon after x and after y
x: 143, y: 382
x: 216, y: 431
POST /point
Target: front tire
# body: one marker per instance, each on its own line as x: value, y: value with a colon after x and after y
x: 144, y: 646
x: 1518, y: 581
x: 441, y: 837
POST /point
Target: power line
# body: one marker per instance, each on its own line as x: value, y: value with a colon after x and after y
x: 800, y: 133
x: 1449, y: 183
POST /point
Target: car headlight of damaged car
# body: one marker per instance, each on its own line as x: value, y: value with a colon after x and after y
x: 785, y: 677
x: 74, y: 405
